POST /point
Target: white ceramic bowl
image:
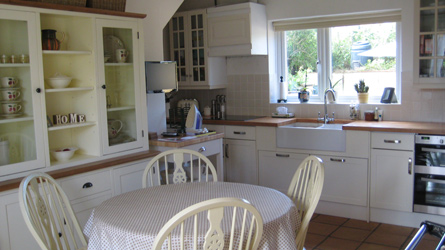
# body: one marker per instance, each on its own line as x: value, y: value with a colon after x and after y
x: 59, y: 82
x: 63, y: 154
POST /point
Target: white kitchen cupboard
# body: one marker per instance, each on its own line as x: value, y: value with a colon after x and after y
x: 128, y: 177
x: 392, y: 176
x: 189, y: 48
x: 346, y: 180
x: 121, y: 85
x: 14, y: 234
x: 276, y: 169
x: 23, y: 131
x: 240, y: 154
x: 33, y: 133
x: 429, y: 54
x: 237, y: 30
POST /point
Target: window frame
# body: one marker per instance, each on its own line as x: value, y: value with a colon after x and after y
x: 325, y: 69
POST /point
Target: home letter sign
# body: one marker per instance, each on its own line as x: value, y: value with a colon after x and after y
x: 70, y: 118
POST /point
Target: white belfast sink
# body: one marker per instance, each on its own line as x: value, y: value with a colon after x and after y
x: 312, y: 136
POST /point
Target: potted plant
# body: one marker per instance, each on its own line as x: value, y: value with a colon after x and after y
x: 362, y: 91
x: 303, y: 94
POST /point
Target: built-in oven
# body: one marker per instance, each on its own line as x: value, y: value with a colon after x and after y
x: 429, y: 185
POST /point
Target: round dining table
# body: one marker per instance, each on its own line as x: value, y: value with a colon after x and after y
x: 132, y: 220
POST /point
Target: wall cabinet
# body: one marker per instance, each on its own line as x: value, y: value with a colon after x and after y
x: 392, y: 173
x: 429, y: 65
x: 237, y: 30
x: 102, y: 92
x: 189, y: 48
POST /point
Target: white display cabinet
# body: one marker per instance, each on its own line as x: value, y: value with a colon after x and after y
x: 120, y: 83
x: 27, y: 137
x: 20, y: 132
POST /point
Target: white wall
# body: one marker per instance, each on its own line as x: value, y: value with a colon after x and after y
x: 158, y: 13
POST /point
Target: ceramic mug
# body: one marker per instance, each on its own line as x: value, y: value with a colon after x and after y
x: 114, y: 127
x: 10, y: 94
x: 11, y: 108
x: 9, y: 82
x: 121, y: 55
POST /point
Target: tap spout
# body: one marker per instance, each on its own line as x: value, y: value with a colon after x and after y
x: 326, y: 116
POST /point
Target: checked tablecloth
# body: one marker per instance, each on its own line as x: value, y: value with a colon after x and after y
x: 132, y: 220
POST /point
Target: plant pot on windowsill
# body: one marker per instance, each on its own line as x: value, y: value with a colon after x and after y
x: 362, y: 97
x: 362, y: 91
x: 303, y: 96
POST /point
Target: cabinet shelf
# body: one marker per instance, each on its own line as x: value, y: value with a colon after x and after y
x: 120, y: 108
x: 69, y: 126
x: 18, y: 119
x: 75, y: 158
x: 118, y: 64
x: 69, y: 89
x: 14, y: 65
x: 65, y: 52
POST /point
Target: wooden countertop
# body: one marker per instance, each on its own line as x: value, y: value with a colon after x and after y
x: 179, y: 142
x: 396, y: 126
x: 56, y: 174
x: 383, y: 126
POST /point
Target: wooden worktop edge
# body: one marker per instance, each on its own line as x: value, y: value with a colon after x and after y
x: 84, y: 168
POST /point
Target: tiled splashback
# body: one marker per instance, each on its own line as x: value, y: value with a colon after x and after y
x: 249, y: 95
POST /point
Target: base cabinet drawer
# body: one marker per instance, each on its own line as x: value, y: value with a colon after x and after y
x: 86, y: 184
x: 395, y: 141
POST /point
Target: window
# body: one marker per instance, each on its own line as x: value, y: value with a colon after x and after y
x: 315, y: 56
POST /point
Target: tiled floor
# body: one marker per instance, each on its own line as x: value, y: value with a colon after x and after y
x: 336, y: 233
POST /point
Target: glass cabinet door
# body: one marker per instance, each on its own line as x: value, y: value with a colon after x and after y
x: 197, y: 41
x: 432, y: 39
x: 20, y: 115
x: 121, y: 84
x: 178, y: 49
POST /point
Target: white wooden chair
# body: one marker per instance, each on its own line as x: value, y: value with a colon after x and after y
x: 305, y: 190
x: 48, y: 214
x: 178, y: 166
x: 248, y: 230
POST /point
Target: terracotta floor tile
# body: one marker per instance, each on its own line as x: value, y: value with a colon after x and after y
x: 396, y: 230
x: 312, y: 240
x: 369, y: 246
x: 351, y: 234
x: 361, y: 224
x: 333, y: 220
x: 321, y: 228
x: 387, y: 239
x: 338, y: 244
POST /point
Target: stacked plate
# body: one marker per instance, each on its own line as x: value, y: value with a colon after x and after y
x: 10, y: 97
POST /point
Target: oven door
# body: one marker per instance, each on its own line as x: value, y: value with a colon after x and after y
x: 429, y: 193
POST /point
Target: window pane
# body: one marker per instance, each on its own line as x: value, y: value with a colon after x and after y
x: 365, y: 52
x: 302, y: 58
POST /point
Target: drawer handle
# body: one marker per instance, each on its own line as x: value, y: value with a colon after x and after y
x: 393, y: 141
x: 201, y: 149
x: 282, y: 155
x: 87, y: 185
x: 338, y: 160
x: 239, y: 132
x: 227, y: 150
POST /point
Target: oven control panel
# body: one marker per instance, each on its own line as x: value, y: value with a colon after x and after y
x: 430, y: 139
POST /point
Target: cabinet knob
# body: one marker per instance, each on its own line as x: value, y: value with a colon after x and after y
x: 87, y: 185
x: 201, y: 149
x: 104, y: 87
x: 38, y: 90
